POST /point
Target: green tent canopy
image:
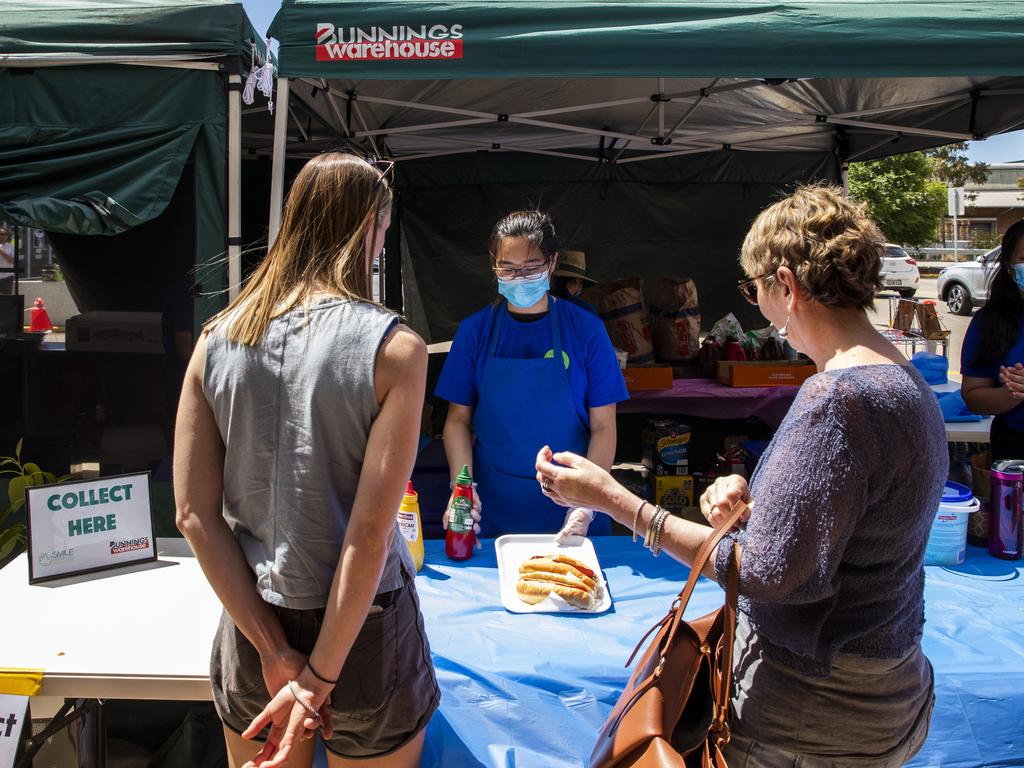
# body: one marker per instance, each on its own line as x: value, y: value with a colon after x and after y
x: 105, y: 104
x: 587, y: 107
x: 133, y: 29
x: 438, y: 39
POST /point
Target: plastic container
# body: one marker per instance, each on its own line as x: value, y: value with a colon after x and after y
x: 947, y: 542
x: 410, y: 526
x: 1005, y: 523
x: 460, y: 540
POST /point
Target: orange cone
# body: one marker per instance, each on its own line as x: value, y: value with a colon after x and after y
x: 40, y: 320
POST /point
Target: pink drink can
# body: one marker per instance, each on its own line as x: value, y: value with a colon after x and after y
x: 1005, y: 529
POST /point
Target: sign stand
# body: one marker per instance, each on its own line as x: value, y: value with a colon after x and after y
x: 89, y: 525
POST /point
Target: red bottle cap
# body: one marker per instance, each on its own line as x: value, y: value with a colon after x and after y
x: 409, y: 491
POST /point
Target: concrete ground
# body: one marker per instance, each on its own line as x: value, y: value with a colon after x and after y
x: 955, y: 323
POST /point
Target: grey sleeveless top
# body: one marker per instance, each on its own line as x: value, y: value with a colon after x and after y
x: 294, y: 413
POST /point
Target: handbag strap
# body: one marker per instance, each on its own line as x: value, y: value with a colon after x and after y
x: 675, y: 616
x: 703, y: 555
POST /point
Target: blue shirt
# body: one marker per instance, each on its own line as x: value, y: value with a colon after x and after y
x: 595, y: 378
x: 969, y: 351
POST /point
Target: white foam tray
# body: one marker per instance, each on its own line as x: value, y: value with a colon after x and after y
x: 513, y: 549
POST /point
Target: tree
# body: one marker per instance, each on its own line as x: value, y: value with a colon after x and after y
x: 902, y: 196
x: 953, y: 168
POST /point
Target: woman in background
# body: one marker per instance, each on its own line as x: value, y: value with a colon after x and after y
x: 527, y: 370
x: 992, y: 356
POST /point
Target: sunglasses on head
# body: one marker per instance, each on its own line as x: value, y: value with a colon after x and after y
x: 384, y: 167
x: 748, y: 288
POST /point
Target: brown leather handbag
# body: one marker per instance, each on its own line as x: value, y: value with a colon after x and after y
x: 674, y: 712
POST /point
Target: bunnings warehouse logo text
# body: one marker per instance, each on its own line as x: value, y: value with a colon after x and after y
x: 129, y: 545
x: 436, y: 41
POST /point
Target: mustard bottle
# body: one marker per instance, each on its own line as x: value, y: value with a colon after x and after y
x: 409, y: 524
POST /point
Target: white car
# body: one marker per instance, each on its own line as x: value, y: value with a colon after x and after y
x: 899, y: 271
x: 965, y: 286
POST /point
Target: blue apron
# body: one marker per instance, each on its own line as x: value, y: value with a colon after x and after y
x: 522, y: 406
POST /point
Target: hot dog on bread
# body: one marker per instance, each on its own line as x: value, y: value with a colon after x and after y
x: 562, y: 575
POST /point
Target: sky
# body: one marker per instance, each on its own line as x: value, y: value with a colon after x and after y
x: 1001, y: 149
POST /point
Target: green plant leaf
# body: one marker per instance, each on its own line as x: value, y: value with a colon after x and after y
x: 50, y: 477
x: 30, y: 468
x: 4, y: 460
x: 16, y: 487
x: 17, y: 448
x: 10, y: 538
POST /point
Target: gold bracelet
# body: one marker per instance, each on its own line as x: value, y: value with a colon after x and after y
x: 636, y: 517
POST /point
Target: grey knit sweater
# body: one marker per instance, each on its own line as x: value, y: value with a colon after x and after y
x: 843, y: 498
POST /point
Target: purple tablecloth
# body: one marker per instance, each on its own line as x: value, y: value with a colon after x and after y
x: 709, y: 399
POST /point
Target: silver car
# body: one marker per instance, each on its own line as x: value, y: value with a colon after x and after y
x: 965, y: 286
x: 899, y: 271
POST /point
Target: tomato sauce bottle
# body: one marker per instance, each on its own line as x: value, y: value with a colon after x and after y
x: 460, y: 539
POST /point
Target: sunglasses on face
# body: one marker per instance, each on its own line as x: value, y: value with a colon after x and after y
x: 385, y: 168
x: 748, y: 288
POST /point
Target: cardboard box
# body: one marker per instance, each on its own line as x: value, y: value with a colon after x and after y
x: 765, y: 373
x: 665, y: 442
x: 673, y: 492
x: 639, y: 378
x: 663, y: 470
x: 115, y: 332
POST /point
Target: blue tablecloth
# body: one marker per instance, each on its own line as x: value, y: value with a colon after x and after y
x: 532, y: 690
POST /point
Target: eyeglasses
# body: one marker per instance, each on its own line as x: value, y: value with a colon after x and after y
x: 748, y: 288
x: 531, y: 272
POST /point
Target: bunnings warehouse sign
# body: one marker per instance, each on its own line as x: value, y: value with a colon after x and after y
x: 88, y: 525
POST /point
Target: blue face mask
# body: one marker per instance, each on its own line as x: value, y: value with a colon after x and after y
x: 522, y: 292
x: 1018, y: 273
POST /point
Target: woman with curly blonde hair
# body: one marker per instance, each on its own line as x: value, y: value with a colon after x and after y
x: 828, y: 669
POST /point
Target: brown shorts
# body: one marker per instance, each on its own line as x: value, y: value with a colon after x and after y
x: 385, y: 695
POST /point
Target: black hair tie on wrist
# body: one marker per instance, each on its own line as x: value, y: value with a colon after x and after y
x: 318, y: 676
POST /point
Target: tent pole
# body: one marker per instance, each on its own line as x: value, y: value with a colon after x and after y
x: 234, y: 185
x: 277, y: 164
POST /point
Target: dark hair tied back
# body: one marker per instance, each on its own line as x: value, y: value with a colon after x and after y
x: 535, y: 226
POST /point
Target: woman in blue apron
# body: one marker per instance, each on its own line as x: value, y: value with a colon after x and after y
x: 525, y: 371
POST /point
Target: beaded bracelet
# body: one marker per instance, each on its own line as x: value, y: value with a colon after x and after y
x: 636, y: 517
x: 318, y: 676
x: 656, y: 548
x: 312, y: 712
x: 656, y: 525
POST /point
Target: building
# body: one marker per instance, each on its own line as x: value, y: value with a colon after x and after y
x: 996, y: 204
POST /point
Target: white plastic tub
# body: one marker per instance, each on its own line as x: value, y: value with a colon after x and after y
x: 947, y: 542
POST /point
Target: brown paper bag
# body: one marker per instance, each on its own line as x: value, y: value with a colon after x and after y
x: 928, y: 319
x: 906, y: 311
x: 620, y: 304
x: 675, y: 321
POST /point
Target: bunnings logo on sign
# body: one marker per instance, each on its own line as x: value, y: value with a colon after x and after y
x: 436, y: 41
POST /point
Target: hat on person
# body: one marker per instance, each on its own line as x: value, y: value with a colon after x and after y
x: 572, y: 264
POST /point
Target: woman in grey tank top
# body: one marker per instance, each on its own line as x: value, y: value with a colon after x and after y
x: 828, y: 669
x: 296, y: 433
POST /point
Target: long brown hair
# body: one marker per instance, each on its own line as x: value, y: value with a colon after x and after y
x: 333, y: 207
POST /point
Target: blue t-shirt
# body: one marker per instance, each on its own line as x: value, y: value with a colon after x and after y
x: 595, y: 378
x: 969, y: 350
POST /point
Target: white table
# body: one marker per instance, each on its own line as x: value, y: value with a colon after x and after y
x: 964, y: 431
x: 140, y: 632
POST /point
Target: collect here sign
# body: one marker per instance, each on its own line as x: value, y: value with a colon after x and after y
x: 89, y: 525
